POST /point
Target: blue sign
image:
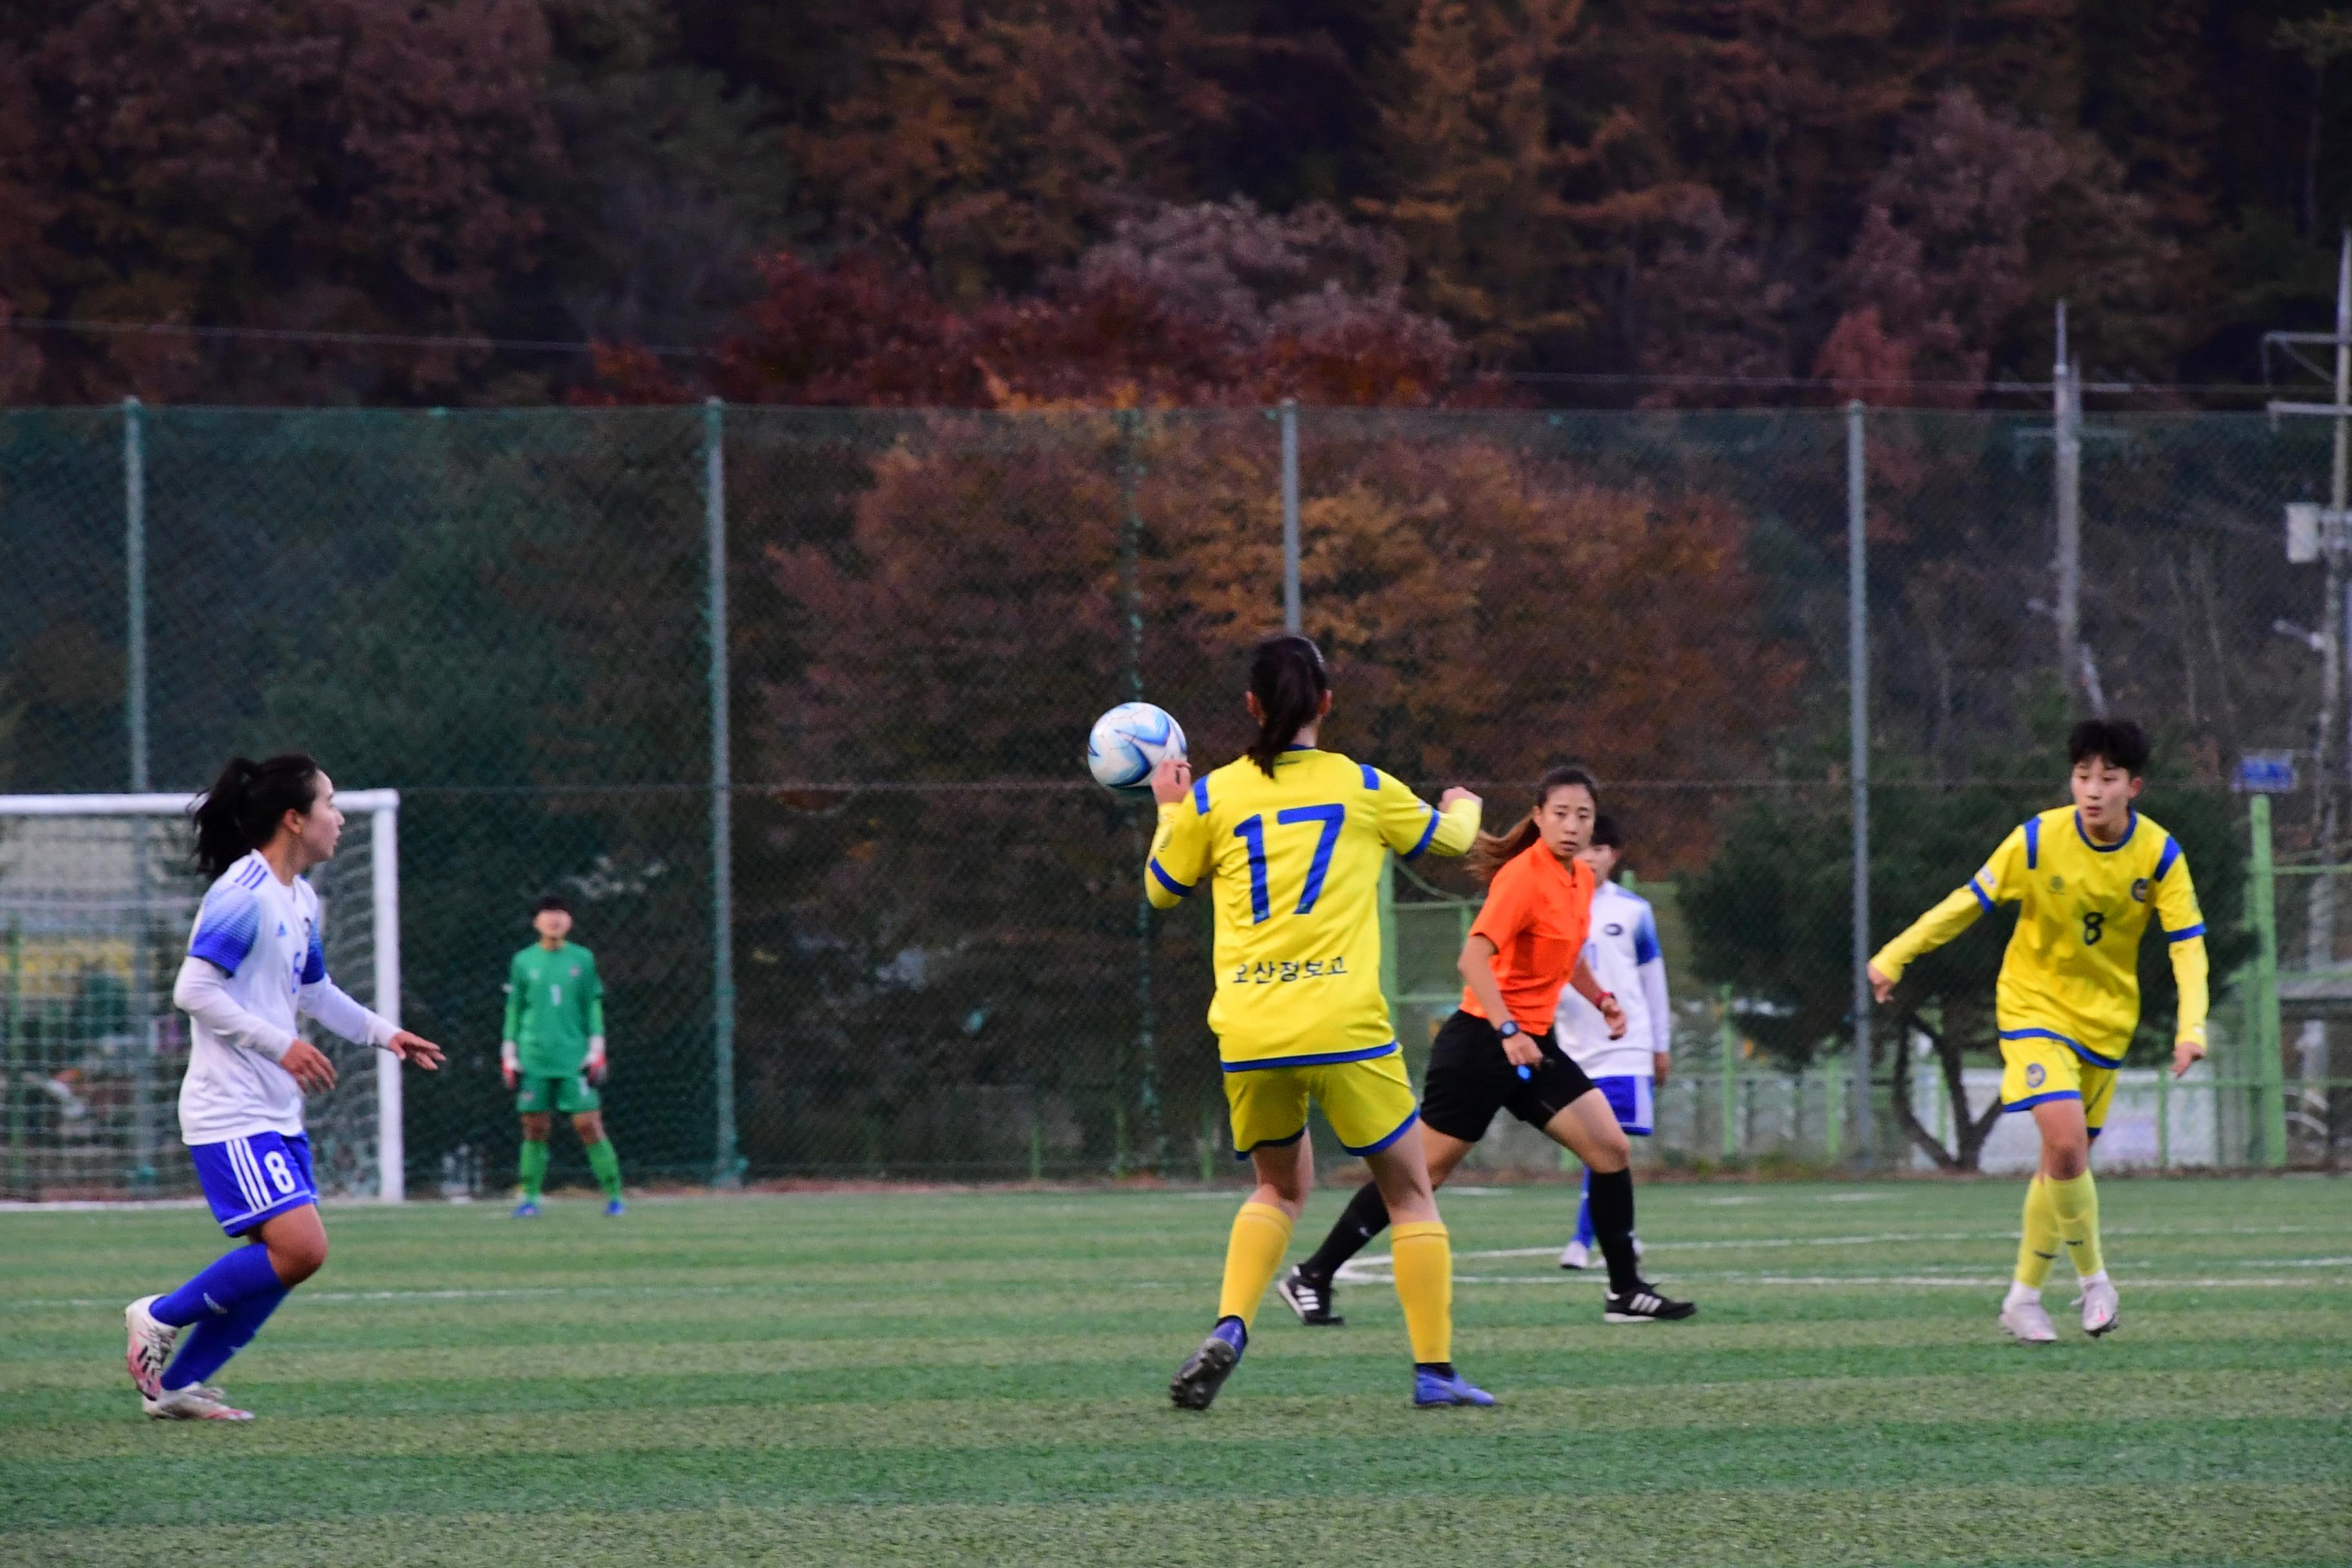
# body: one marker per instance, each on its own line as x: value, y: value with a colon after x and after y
x: 2266, y: 773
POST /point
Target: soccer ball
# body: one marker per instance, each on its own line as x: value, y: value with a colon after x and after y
x: 1127, y: 743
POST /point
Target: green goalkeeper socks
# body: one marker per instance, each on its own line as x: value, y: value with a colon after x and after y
x: 604, y: 1162
x: 534, y: 1170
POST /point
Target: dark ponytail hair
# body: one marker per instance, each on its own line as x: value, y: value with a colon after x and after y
x: 242, y: 810
x: 1288, y: 677
x: 1493, y: 851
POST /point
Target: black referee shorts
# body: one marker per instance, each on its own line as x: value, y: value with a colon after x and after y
x: 1470, y: 1078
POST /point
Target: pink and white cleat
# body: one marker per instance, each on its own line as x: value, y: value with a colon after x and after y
x: 150, y: 1349
x: 198, y: 1402
x: 2100, y: 1309
x: 2028, y: 1323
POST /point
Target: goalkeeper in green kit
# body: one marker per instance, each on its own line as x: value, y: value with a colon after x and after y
x: 553, y: 1051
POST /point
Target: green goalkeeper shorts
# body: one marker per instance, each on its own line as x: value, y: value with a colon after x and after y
x: 570, y: 1095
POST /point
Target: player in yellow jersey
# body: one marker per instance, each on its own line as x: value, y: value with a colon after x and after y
x: 1288, y: 843
x: 2088, y: 879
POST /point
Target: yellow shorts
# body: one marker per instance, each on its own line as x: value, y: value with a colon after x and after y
x: 1367, y: 1101
x: 2038, y: 1068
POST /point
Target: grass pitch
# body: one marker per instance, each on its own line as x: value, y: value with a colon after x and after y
x: 980, y: 1377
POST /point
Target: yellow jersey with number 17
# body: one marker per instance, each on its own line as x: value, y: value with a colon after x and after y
x: 2072, y: 972
x: 1292, y: 865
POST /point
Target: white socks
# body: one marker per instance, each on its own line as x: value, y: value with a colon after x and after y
x: 2021, y: 1295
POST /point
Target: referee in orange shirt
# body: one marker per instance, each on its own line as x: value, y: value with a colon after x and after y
x: 1527, y: 943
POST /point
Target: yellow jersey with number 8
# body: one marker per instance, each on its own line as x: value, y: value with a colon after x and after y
x: 2072, y: 971
x: 1292, y: 865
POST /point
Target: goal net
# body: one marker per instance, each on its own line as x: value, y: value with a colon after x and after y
x: 97, y: 897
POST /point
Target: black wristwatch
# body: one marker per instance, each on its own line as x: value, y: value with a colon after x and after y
x: 1508, y: 1027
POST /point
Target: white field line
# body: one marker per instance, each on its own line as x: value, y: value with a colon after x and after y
x: 1913, y: 1280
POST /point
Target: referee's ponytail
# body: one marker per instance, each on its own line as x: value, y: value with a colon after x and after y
x: 1493, y: 851
x: 1288, y: 677
x: 242, y: 810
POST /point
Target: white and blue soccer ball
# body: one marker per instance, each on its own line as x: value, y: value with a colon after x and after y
x: 1127, y: 743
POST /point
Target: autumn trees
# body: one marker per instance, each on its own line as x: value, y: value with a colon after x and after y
x: 1677, y: 189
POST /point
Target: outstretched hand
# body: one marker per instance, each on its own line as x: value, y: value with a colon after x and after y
x: 1445, y: 800
x: 414, y: 1049
x: 1881, y: 986
x: 2186, y: 1054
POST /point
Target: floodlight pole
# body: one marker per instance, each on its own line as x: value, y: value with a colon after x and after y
x: 2066, y: 413
x: 1858, y: 729
x: 727, y: 1165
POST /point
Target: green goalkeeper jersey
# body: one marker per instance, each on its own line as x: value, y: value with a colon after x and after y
x: 554, y: 1004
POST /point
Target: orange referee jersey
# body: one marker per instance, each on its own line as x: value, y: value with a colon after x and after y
x: 1537, y: 914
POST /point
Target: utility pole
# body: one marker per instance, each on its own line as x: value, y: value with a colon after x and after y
x: 2066, y: 416
x: 2319, y: 939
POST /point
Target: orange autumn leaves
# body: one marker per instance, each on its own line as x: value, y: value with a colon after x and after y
x: 1487, y: 608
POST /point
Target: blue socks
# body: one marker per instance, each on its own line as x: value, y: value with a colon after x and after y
x: 1584, y: 1211
x: 207, y: 1348
x: 237, y: 1274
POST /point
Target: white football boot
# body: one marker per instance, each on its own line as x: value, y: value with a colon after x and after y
x: 2098, y: 1301
x: 150, y: 1349
x: 198, y: 1402
x: 2027, y: 1322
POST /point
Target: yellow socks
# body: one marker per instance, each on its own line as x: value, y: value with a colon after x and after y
x: 1424, y: 1285
x: 2039, y: 1248
x: 1253, y: 1255
x: 2076, y: 1206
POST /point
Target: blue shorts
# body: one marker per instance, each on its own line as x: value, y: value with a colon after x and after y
x: 1629, y: 1098
x: 257, y: 1177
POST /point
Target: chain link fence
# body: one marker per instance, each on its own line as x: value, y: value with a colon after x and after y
x: 927, y: 954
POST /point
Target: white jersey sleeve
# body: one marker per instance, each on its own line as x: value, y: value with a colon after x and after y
x: 255, y: 963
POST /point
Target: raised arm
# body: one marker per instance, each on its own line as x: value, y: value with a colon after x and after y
x: 1180, y: 847
x: 1412, y: 827
x: 2001, y: 881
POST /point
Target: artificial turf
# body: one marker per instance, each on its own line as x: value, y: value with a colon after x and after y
x: 980, y: 1377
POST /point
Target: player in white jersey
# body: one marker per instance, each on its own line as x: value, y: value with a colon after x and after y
x: 256, y: 966
x: 1623, y: 952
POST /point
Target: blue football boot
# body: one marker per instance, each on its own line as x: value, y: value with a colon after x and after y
x: 1437, y: 1388
x: 526, y: 1210
x: 615, y: 1208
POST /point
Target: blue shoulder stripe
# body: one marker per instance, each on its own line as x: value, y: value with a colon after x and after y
x: 2033, y: 843
x: 2171, y: 853
x: 1371, y: 777
x: 1200, y: 795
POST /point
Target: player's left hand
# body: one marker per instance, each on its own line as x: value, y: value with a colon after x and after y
x: 596, y: 1071
x: 414, y: 1049
x: 1612, y: 1014
x: 2186, y: 1054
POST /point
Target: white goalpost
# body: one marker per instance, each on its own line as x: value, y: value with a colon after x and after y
x: 96, y: 898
